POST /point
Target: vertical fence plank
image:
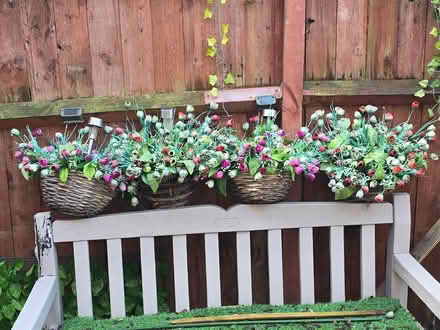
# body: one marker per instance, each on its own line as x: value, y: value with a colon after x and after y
x: 6, y: 234
x: 196, y: 31
x: 337, y: 274
x: 307, y: 275
x: 275, y: 251
x: 137, y: 45
x: 352, y: 18
x: 244, y: 275
x: 82, y: 278
x: 180, y: 260
x: 411, y: 39
x: 168, y: 48
x: 116, y: 277
x: 73, y: 48
x: 212, y: 262
x: 368, y: 261
x: 105, y: 47
x: 41, y: 48
x: 321, y: 39
x: 13, y: 64
x: 382, y: 39
x: 148, y: 268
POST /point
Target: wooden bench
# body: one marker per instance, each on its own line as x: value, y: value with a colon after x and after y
x: 44, y: 307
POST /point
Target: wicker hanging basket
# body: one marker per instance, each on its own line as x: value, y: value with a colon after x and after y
x: 267, y: 190
x: 78, y: 197
x: 171, y: 194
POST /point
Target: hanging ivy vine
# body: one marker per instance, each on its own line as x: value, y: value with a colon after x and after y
x: 215, y: 49
x: 431, y: 86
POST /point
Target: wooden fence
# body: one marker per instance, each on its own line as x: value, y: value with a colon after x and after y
x: 320, y: 52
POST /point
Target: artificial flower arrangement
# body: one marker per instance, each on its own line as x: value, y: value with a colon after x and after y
x: 68, y: 156
x: 194, y: 148
x: 370, y: 155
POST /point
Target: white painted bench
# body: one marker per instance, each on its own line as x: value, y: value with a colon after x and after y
x: 44, y: 309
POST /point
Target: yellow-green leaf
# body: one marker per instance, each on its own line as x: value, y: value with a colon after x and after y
x: 212, y: 41
x: 64, y: 174
x: 222, y: 2
x: 420, y: 93
x: 229, y: 79
x: 437, y: 45
x: 225, y: 28
x: 212, y: 79
x: 424, y: 83
x: 211, y: 52
x: 214, y: 92
x: 208, y: 13
x: 434, y: 32
x: 225, y: 40
x: 344, y: 193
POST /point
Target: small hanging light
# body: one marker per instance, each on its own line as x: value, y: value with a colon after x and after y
x: 168, y: 118
x: 94, y: 125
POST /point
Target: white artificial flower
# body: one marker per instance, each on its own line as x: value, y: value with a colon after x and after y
x: 140, y: 114
x: 357, y: 115
x: 360, y: 194
x: 232, y: 174
x: 134, y: 201
x: 373, y: 119
x: 370, y: 108
x: 189, y: 108
x: 33, y: 167
x: 431, y: 128
x: 258, y: 176
x: 340, y: 111
x: 210, y: 183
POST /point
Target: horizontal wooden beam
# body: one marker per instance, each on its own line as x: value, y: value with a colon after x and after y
x: 91, y: 105
x: 360, y: 87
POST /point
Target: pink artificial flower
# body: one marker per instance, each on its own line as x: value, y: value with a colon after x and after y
x: 298, y: 170
x: 300, y: 134
x: 116, y: 174
x: 262, y: 143
x: 122, y: 186
x: 30, y: 146
x: 323, y: 138
x: 65, y: 153
x: 220, y: 148
x: 44, y: 162
x: 310, y: 177
x: 215, y: 117
x: 219, y: 175
x: 243, y: 168
x: 265, y: 157
x: 119, y: 131
x: 379, y: 198
x: 294, y: 162
x: 107, y: 178
x: 103, y: 161
x: 226, y: 163
x: 247, y: 147
x: 254, y: 119
x: 18, y: 155
x: 259, y: 148
x: 25, y: 160
x: 389, y: 116
x: 50, y: 149
x: 115, y: 163
x: 229, y: 123
x: 37, y: 132
x: 263, y: 170
x: 312, y: 169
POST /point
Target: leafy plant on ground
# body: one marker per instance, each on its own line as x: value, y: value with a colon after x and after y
x: 16, y: 282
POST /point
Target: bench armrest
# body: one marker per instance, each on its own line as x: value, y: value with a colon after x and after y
x: 37, y: 307
x: 426, y: 287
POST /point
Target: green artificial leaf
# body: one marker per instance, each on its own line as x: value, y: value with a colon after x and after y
x: 30, y: 271
x: 424, y: 83
x: 189, y: 164
x: 1, y: 290
x: 211, y: 51
x: 339, y: 140
x: 212, y: 171
x: 151, y: 181
x: 221, y: 186
x: 344, y: 123
x: 229, y: 80
x: 26, y: 174
x: 212, y: 42
x: 223, y: 2
x: 146, y: 155
x: 8, y: 311
x: 378, y: 156
x: 292, y: 173
x: 64, y: 174
x: 212, y: 79
x: 19, y: 264
x: 344, y: 193
x: 225, y: 39
x: 225, y: 28
x: 272, y: 170
x: 208, y: 13
x: 254, y: 165
x: 420, y: 93
x: 430, y: 113
x: 89, y: 171
x: 437, y: 44
x: 434, y: 32
x: 214, y: 92
x: 14, y: 290
x: 380, y: 173
x: 372, y: 136
x: 97, y: 286
x: 17, y: 305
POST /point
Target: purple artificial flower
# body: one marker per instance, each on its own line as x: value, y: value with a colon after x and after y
x: 262, y: 142
x: 107, y: 178
x: 281, y: 133
x: 226, y: 163
x: 259, y: 148
x: 294, y: 162
x: 65, y: 153
x: 25, y: 160
x: 56, y: 167
x: 37, y: 132
x: 44, y: 162
x: 18, y: 155
x: 103, y: 161
x: 241, y: 153
x: 312, y: 169
x: 243, y: 168
x: 30, y: 146
x: 316, y: 162
x: 323, y: 138
x: 298, y: 170
x: 90, y: 157
x: 300, y: 134
x: 116, y: 174
x: 219, y: 175
x: 263, y: 170
x: 50, y: 149
x: 310, y: 177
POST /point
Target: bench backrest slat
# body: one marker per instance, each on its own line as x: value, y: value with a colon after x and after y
x: 116, y: 278
x: 148, y: 269
x: 275, y: 265
x: 306, y: 272
x: 244, y: 276
x: 210, y: 221
x: 368, y: 261
x: 82, y: 278
x: 212, y: 261
x: 180, y: 261
x: 337, y: 264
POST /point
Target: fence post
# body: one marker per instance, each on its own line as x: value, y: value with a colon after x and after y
x: 48, y: 264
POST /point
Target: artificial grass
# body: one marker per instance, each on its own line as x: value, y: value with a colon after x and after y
x: 400, y: 320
